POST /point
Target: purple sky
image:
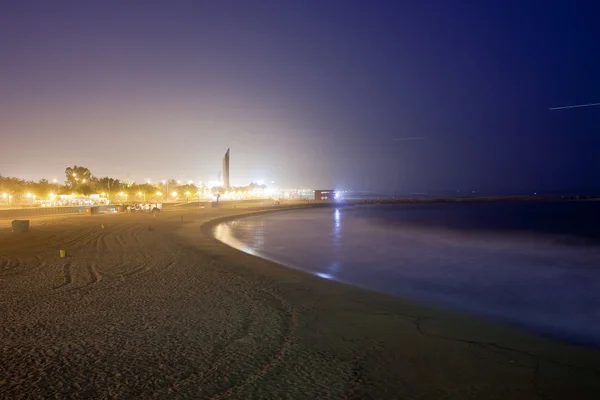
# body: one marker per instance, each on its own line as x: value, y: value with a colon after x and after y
x: 388, y: 95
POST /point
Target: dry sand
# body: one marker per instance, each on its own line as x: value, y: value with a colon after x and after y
x: 154, y: 308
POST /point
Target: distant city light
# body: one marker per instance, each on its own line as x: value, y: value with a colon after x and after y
x: 4, y: 195
x: 174, y: 194
x: 28, y: 195
x: 139, y: 193
x: 159, y: 194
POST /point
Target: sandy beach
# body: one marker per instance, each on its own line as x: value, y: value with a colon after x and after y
x: 147, y: 307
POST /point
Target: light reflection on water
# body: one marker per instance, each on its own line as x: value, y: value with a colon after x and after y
x: 224, y: 233
x: 529, y: 280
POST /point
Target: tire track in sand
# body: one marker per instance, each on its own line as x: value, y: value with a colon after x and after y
x: 67, y: 277
x: 7, y: 265
x: 119, y: 239
x: 136, y: 236
x: 19, y: 267
x: 286, y: 346
x: 76, y: 238
x: 101, y: 242
x: 95, y: 275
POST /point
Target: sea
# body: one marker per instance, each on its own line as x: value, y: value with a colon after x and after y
x: 532, y: 264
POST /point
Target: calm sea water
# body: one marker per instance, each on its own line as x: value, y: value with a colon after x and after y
x: 533, y: 264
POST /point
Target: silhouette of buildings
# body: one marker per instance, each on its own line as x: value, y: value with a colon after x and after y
x: 327, y: 195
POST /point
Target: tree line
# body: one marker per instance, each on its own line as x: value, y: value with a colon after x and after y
x: 79, y: 180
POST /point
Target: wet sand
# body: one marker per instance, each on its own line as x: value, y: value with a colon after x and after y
x: 156, y: 308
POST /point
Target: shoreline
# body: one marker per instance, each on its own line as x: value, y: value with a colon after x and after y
x: 153, y: 306
x: 208, y: 229
x: 488, y: 330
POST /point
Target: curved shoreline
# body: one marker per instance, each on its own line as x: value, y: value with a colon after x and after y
x: 209, y: 225
x: 445, y: 327
x: 567, y: 333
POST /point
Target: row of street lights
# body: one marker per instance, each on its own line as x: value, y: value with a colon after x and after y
x: 174, y: 195
x: 8, y: 197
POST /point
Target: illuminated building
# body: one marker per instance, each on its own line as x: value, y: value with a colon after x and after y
x: 328, y: 195
x: 226, y: 184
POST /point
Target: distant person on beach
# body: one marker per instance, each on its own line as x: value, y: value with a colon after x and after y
x: 218, y: 197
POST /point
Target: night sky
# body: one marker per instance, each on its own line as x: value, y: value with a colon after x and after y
x: 398, y: 96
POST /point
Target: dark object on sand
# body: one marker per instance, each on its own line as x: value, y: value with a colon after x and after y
x: 150, y: 228
x: 92, y: 210
x: 20, y: 225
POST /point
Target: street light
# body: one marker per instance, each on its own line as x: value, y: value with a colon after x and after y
x: 174, y: 194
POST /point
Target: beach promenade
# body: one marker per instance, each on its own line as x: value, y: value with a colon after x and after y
x: 154, y: 307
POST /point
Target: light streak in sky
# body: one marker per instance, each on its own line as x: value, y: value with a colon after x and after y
x: 575, y: 106
x: 400, y: 139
